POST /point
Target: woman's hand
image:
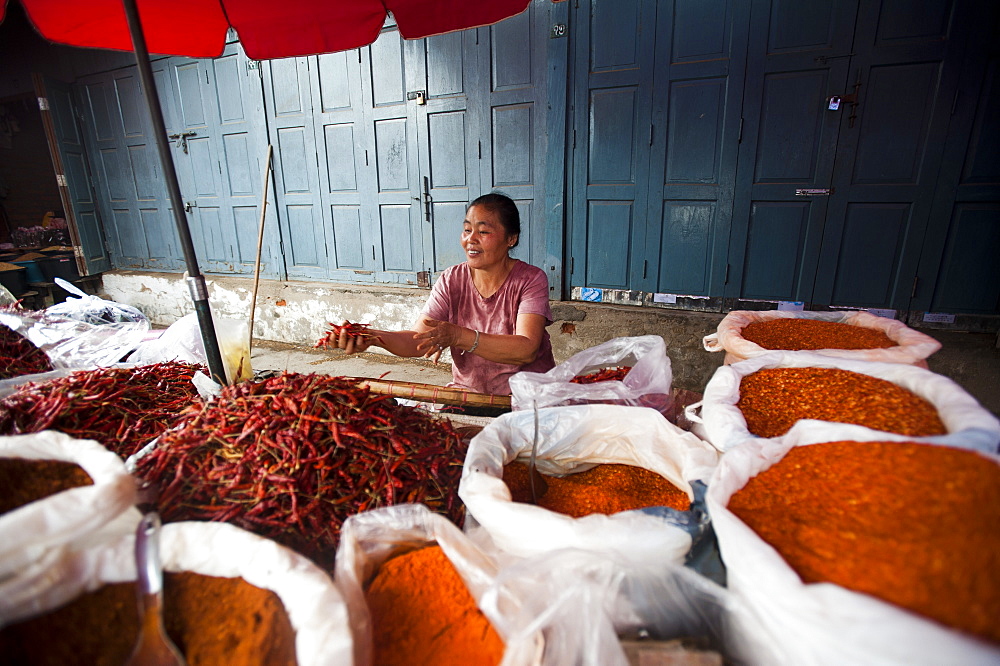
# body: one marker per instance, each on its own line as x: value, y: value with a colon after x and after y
x: 354, y: 344
x: 436, y: 337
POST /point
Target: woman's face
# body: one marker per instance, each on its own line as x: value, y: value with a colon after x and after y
x: 484, y: 238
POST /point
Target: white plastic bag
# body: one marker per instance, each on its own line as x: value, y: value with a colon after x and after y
x: 70, y: 343
x: 314, y: 606
x: 913, y: 347
x: 92, y: 309
x: 369, y: 539
x: 28, y: 532
x: 647, y: 384
x: 969, y: 425
x: 182, y: 341
x: 777, y: 619
x: 573, y: 439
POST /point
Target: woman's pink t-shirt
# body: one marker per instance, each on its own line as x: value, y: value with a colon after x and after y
x: 455, y: 299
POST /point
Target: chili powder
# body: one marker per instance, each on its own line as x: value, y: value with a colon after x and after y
x: 773, y: 399
x: 796, y: 334
x: 24, y: 480
x: 912, y: 524
x: 605, y: 489
x: 213, y: 621
x: 422, y: 613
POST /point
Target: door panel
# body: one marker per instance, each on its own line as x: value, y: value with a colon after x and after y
x: 613, y: 71
x: 695, y: 129
x: 889, y: 155
x: 69, y: 155
x: 797, y: 58
x: 219, y: 157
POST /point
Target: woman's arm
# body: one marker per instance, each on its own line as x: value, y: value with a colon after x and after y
x: 520, y: 348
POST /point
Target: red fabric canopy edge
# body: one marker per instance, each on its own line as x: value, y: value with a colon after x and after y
x: 267, y: 28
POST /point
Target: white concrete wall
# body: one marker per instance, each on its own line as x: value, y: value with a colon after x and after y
x: 298, y: 313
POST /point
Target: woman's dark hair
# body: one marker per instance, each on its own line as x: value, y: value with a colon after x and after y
x: 505, y: 208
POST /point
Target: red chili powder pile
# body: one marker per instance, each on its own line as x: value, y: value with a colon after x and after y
x: 422, y: 613
x: 915, y: 525
x: 603, y: 489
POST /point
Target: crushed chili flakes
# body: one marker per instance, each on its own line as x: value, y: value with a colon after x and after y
x: 773, y: 399
x: 213, y: 621
x: 603, y: 375
x: 605, y: 489
x: 797, y: 334
x: 912, y: 524
x: 24, y: 480
x: 422, y: 613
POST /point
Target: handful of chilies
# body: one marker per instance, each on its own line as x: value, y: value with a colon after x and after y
x: 354, y: 330
x: 290, y: 458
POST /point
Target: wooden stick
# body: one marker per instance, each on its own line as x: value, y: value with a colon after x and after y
x: 260, y: 242
x: 433, y: 393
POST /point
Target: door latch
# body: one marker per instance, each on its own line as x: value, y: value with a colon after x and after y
x: 188, y: 205
x: 182, y: 139
x: 419, y: 95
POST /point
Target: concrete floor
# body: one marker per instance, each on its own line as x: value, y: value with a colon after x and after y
x: 970, y: 359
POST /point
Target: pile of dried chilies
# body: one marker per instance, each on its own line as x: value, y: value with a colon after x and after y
x: 122, y: 408
x: 603, y: 375
x: 290, y: 458
x: 353, y: 331
x: 19, y: 356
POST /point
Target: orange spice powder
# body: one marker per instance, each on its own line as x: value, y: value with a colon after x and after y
x: 773, y: 399
x: 605, y: 489
x: 797, y: 334
x: 915, y: 525
x: 422, y: 613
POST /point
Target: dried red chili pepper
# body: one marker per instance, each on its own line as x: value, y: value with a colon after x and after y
x: 122, y: 408
x: 912, y: 524
x: 796, y: 334
x: 353, y: 331
x: 290, y: 458
x: 773, y: 399
x: 603, y: 375
x: 19, y: 356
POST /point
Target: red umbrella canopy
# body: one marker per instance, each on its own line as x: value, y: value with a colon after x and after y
x: 266, y: 28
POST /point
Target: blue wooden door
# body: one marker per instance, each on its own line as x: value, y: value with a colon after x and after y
x: 905, y: 69
x: 510, y: 101
x: 135, y: 205
x: 694, y: 137
x: 798, y: 57
x: 613, y: 71
x: 73, y: 174
x: 958, y: 270
x: 213, y: 115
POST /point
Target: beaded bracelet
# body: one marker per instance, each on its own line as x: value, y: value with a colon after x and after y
x: 473, y: 347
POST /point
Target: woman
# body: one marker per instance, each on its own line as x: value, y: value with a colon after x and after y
x: 490, y: 311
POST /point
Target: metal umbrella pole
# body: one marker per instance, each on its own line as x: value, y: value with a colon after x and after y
x: 195, y: 280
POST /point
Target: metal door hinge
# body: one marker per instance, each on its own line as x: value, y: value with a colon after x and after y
x: 43, y: 104
x: 424, y: 279
x: 61, y: 180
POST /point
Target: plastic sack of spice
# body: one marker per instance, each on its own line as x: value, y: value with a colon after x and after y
x: 70, y: 343
x: 370, y: 539
x: 646, y: 384
x: 969, y: 425
x: 912, y: 347
x: 182, y: 341
x: 575, y: 439
x: 313, y: 605
x: 778, y: 619
x: 30, y: 530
